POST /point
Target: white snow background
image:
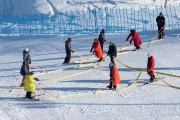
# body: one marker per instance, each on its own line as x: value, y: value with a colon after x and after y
x: 76, y: 101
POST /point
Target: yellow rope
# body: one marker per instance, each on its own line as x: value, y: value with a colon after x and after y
x: 155, y: 73
x: 119, y: 89
x: 92, y: 92
x: 76, y: 74
x: 139, y: 69
x: 165, y: 81
x: 122, y: 48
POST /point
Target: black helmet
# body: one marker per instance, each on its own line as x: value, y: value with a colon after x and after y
x: 160, y: 13
x: 69, y: 39
x: 110, y: 43
x: 103, y: 30
x: 132, y: 30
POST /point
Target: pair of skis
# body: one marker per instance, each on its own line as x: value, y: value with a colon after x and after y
x: 155, y: 80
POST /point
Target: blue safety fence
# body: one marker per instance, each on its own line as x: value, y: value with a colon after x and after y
x: 114, y: 20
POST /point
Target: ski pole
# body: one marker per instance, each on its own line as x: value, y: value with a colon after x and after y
x: 38, y: 94
x: 101, y: 86
x: 124, y: 44
x: 47, y: 92
x: 38, y: 68
x: 15, y: 87
x: 81, y: 56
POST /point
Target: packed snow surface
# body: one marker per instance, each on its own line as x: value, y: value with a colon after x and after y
x: 76, y: 99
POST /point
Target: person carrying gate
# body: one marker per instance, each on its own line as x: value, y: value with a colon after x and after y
x: 136, y: 38
x: 68, y: 50
x: 101, y: 38
x: 114, y: 77
x: 160, y: 23
x: 150, y: 67
x: 112, y: 52
x: 97, y: 49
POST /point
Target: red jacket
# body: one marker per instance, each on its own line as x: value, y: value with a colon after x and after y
x: 150, y: 65
x: 114, y: 74
x: 97, y: 47
x: 136, y: 38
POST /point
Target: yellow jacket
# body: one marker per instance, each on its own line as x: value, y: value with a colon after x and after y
x: 29, y: 83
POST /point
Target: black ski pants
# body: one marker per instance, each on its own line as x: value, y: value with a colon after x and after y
x: 68, y: 57
x: 110, y: 86
x: 161, y: 32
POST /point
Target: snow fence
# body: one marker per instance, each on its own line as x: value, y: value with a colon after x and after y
x: 114, y: 20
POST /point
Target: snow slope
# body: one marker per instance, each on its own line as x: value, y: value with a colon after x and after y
x: 26, y: 7
x: 76, y: 100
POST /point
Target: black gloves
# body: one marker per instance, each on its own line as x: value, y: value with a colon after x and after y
x: 130, y: 41
x: 36, y: 79
x: 31, y: 73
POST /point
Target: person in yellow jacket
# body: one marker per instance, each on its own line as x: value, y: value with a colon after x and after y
x: 29, y: 85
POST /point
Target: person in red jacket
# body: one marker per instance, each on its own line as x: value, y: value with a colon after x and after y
x: 150, y: 67
x: 114, y: 77
x: 136, y: 38
x: 97, y: 49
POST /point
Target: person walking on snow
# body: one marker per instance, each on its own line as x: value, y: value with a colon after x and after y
x: 101, y: 38
x: 160, y: 23
x: 114, y: 77
x: 29, y: 85
x: 136, y: 38
x: 97, y: 49
x: 112, y: 52
x: 150, y: 67
x: 68, y: 50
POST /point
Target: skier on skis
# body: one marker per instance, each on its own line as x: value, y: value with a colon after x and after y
x: 68, y: 50
x: 29, y: 85
x: 136, y: 38
x: 25, y: 65
x: 97, y: 49
x: 160, y: 23
x: 101, y: 38
x: 114, y: 77
x: 112, y: 52
x: 150, y: 67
